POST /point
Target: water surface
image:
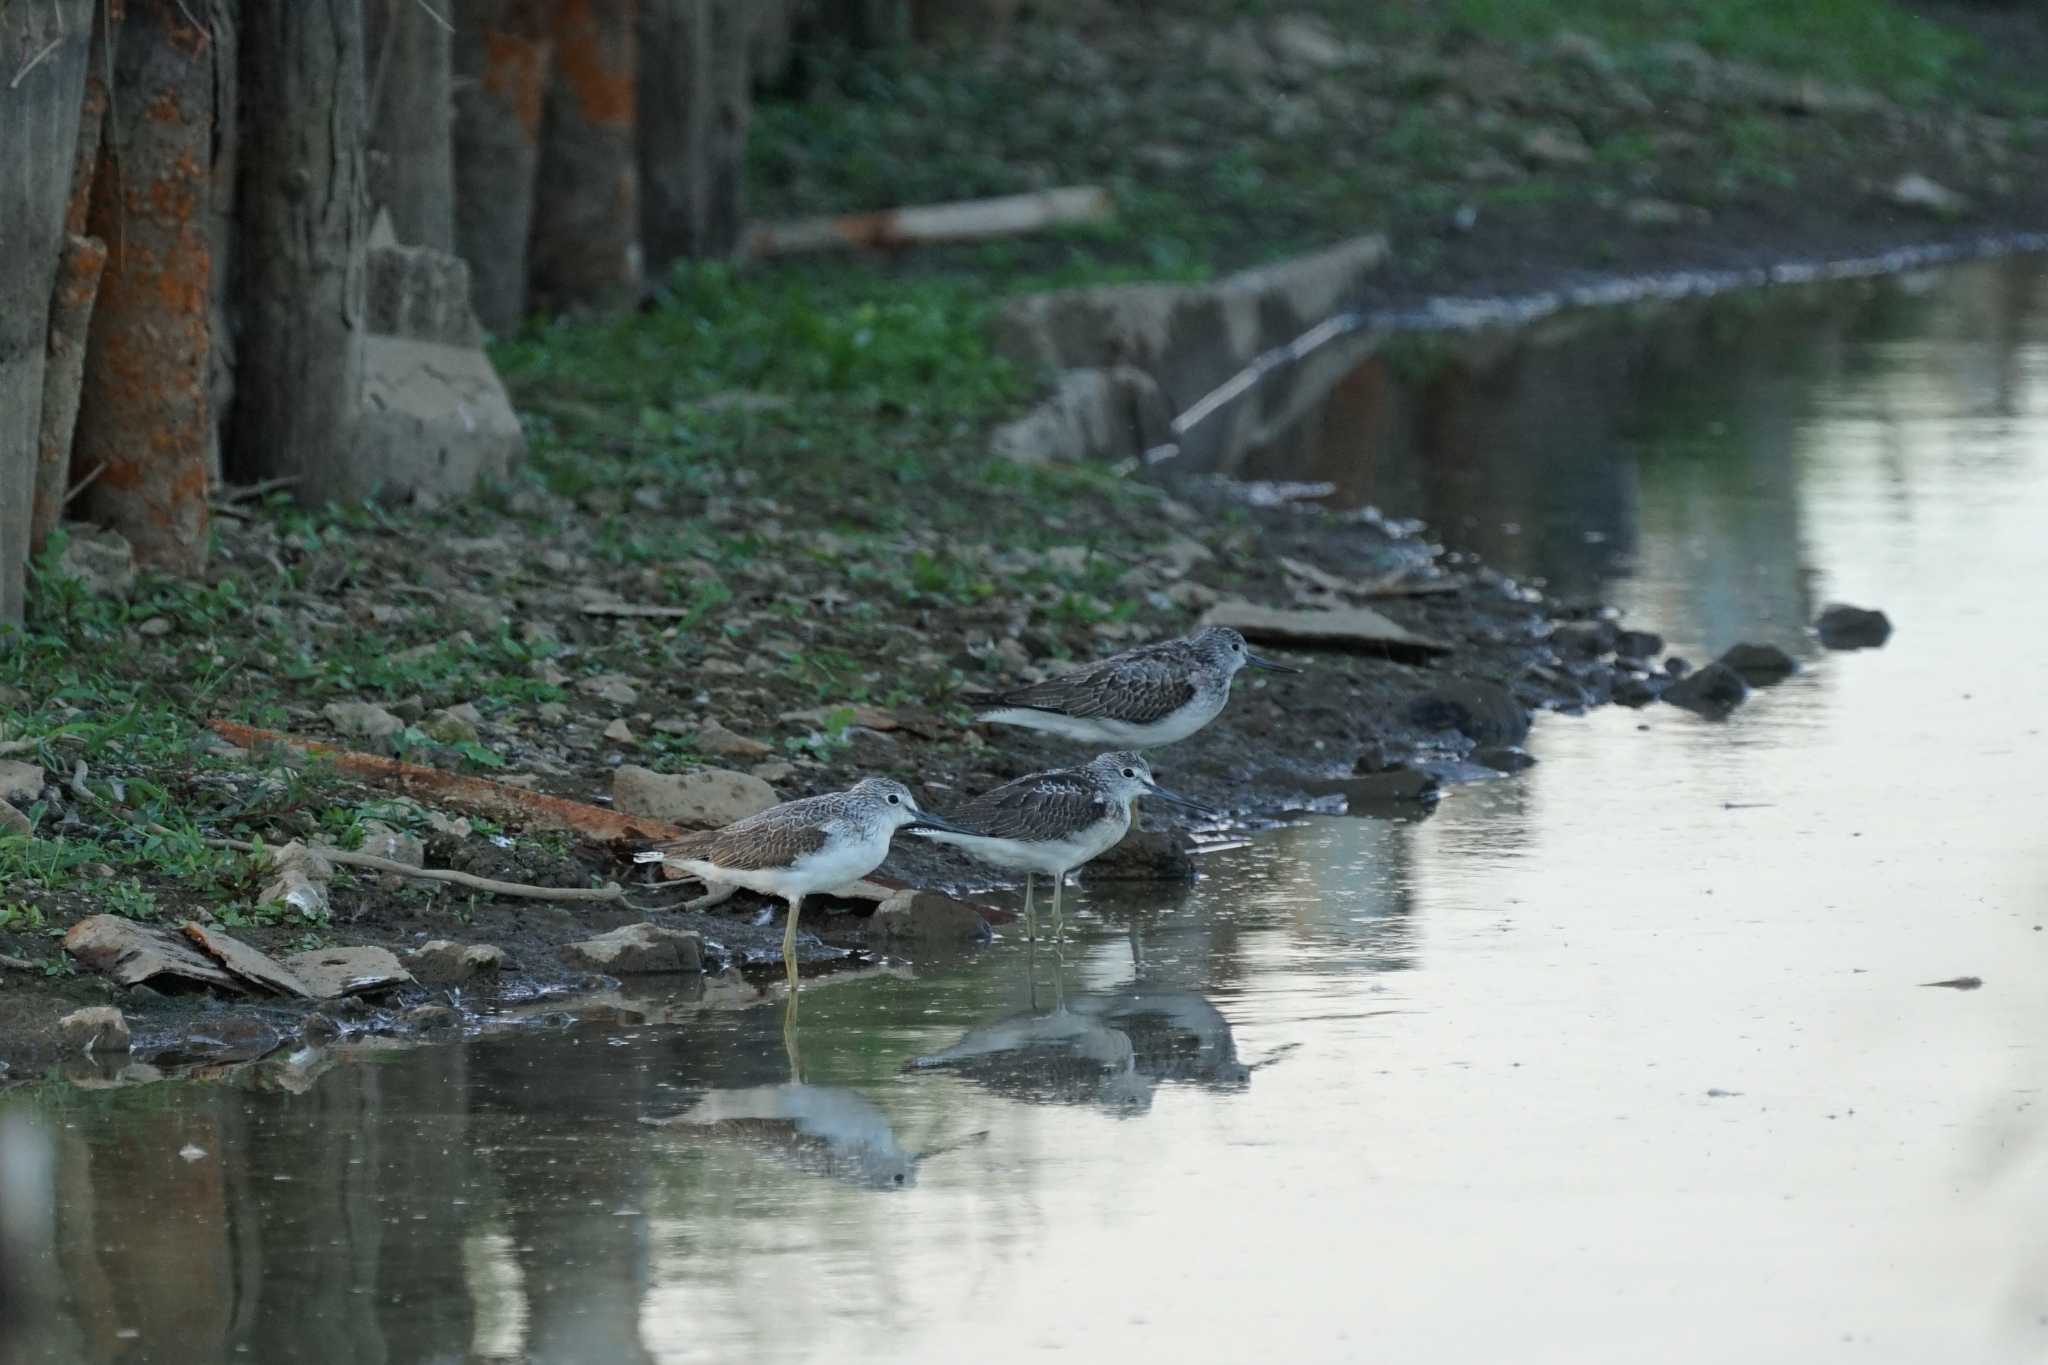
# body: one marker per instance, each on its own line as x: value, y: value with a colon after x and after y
x: 1625, y: 1058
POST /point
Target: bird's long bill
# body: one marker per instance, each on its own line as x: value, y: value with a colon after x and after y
x: 1164, y: 795
x: 1256, y: 661
x: 926, y: 820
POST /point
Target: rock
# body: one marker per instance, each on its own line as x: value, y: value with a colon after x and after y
x: 775, y: 770
x: 927, y: 917
x: 1583, y: 49
x: 101, y: 560
x: 98, y: 1029
x: 638, y: 950
x: 1359, y: 628
x: 1635, y: 690
x: 432, y: 1019
x: 1484, y: 712
x: 20, y: 781
x: 1677, y: 666
x: 1637, y: 644
x: 1584, y: 639
x: 295, y: 889
x: 393, y: 845
x: 551, y: 712
x: 475, y: 610
x: 444, y: 963
x: 362, y: 719
x: 1661, y: 213
x: 1375, y: 757
x: 1360, y: 790
x: 435, y: 421
x: 1759, y: 665
x: 13, y: 821
x: 133, y: 953
x: 714, y: 739
x: 1307, y: 41
x: 1714, y: 691
x: 1915, y: 191
x: 155, y: 628
x: 250, y: 965
x: 1845, y: 627
x: 615, y: 688
x: 618, y: 732
x: 704, y: 799
x: 332, y: 972
x: 1556, y: 147
x: 1147, y: 855
x: 449, y: 726
x: 1504, y: 759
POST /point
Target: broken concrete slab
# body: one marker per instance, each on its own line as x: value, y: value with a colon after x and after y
x: 250, y: 964
x: 420, y: 293
x: 333, y: 972
x: 704, y: 799
x: 133, y: 953
x: 1350, y: 628
x: 639, y: 950
x: 1092, y: 413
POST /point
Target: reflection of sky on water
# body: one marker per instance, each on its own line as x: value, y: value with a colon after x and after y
x: 1629, y: 1052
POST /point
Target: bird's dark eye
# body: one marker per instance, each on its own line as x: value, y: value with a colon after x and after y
x: 1130, y: 772
x: 894, y: 799
x: 1236, y: 646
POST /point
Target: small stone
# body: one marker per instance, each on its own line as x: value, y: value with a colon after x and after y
x: 1504, y: 759
x: 1635, y: 690
x: 1714, y: 691
x: 1677, y: 666
x: 639, y: 950
x: 154, y: 628
x: 928, y: 917
x: 441, y: 962
x: 1584, y: 639
x: 551, y: 712
x: 714, y: 739
x: 1484, y: 712
x: 1759, y: 665
x: 704, y: 799
x: 1395, y: 786
x: 1147, y: 855
x: 20, y: 781
x: 615, y: 688
x: 295, y: 889
x: 775, y: 770
x: 362, y: 719
x: 433, y: 1019
x: 476, y: 611
x: 448, y: 726
x: 1660, y: 213
x: 1556, y: 147
x: 99, y: 1029
x: 393, y: 845
x: 722, y: 668
x: 1845, y: 627
x: 103, y: 561
x: 1376, y: 757
x: 1916, y: 191
x: 619, y: 732
x: 1637, y: 644
x: 1307, y: 41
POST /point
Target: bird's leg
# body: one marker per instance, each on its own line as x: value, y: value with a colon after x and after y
x: 789, y: 1046
x: 796, y: 905
x: 1059, y: 883
x: 1030, y: 912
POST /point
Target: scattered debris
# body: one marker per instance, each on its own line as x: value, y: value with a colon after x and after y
x: 1846, y: 627
x: 964, y: 221
x: 639, y: 950
x: 1337, y: 627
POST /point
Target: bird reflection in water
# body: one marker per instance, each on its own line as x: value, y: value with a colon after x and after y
x: 1109, y: 1050
x: 820, y: 1130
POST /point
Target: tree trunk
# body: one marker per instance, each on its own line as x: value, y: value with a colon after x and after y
x: 224, y: 17
x: 695, y: 100
x: 71, y: 308
x: 412, y: 156
x: 42, y: 91
x: 304, y: 228
x: 501, y: 58
x: 143, y: 421
x: 585, y: 250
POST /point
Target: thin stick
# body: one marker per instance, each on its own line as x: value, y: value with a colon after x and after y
x: 19, y: 964
x: 653, y: 613
x: 84, y: 483
x: 35, y: 62
x: 442, y: 874
x: 250, y: 491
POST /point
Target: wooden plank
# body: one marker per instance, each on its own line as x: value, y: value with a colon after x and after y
x: 965, y: 221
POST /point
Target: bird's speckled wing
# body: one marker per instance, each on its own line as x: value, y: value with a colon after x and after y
x: 776, y: 837
x: 1139, y: 687
x: 1042, y: 806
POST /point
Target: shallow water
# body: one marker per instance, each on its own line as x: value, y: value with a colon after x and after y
x: 1625, y: 1058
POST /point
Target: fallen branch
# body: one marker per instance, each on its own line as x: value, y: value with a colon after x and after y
x: 967, y: 221
x: 474, y: 795
x: 449, y: 875
x: 18, y: 964
x: 636, y: 609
